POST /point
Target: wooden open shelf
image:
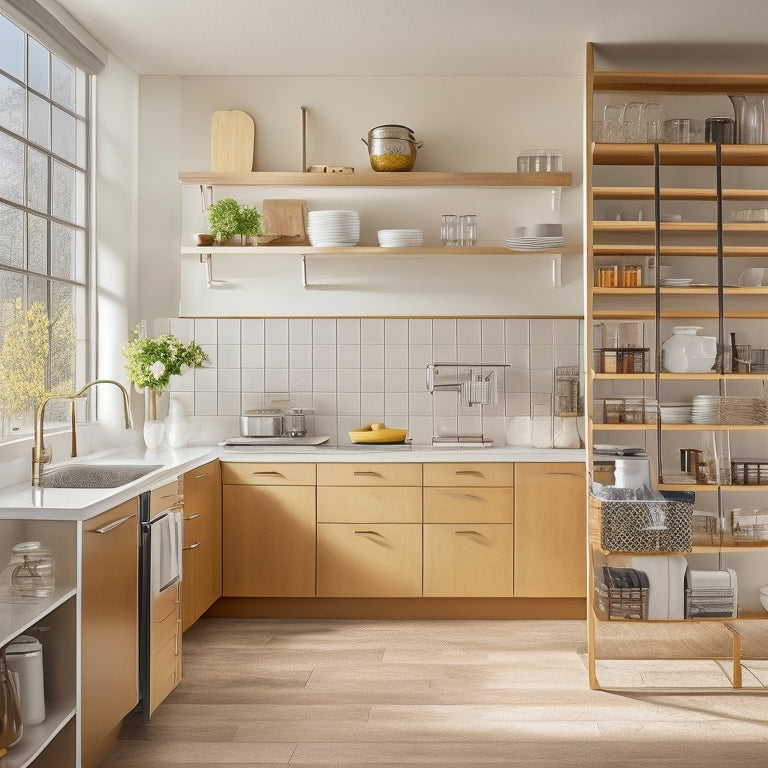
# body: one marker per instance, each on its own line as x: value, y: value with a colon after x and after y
x: 679, y: 154
x: 680, y: 82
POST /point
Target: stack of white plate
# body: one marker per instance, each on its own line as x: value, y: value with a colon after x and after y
x: 400, y: 238
x: 715, y: 409
x: 536, y: 237
x: 675, y: 413
x: 333, y: 228
x: 677, y: 282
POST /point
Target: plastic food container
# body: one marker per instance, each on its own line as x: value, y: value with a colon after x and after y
x: 540, y: 161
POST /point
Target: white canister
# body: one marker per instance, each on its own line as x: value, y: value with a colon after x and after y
x: 685, y: 352
x: 24, y: 656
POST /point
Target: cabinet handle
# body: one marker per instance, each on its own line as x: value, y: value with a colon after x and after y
x: 270, y: 472
x: 177, y: 507
x: 366, y: 473
x: 470, y: 496
x: 192, y: 546
x: 473, y: 472
x: 200, y: 477
x: 192, y: 517
x: 367, y: 533
x: 468, y: 533
x: 111, y: 526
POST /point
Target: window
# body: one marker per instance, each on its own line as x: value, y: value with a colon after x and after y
x: 44, y: 189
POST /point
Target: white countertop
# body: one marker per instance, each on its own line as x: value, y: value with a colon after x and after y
x: 22, y: 501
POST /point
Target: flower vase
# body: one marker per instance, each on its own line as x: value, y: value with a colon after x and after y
x: 154, y: 430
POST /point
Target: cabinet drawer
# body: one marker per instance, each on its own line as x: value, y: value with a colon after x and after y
x: 165, y: 497
x: 468, y: 561
x: 469, y: 505
x: 368, y: 560
x: 368, y: 505
x: 369, y: 474
x: 236, y: 473
x: 479, y: 474
x: 164, y: 604
x: 164, y: 631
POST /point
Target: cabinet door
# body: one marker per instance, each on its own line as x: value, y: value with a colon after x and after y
x: 382, y: 560
x: 468, y: 560
x: 110, y: 573
x: 550, y: 530
x: 201, y: 585
x: 269, y: 541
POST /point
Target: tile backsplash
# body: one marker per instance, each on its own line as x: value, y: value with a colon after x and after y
x: 352, y: 371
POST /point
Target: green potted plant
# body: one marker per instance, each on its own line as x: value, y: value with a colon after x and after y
x: 224, y: 219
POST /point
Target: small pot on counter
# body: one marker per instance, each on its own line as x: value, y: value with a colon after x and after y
x: 262, y: 422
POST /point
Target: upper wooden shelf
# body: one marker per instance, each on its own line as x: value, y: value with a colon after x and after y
x: 679, y: 154
x: 676, y: 193
x: 374, y: 250
x: 371, y: 179
x: 680, y: 82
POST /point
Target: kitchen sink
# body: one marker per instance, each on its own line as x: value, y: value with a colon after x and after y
x: 96, y: 475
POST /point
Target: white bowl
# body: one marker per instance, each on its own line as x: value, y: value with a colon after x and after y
x: 764, y: 596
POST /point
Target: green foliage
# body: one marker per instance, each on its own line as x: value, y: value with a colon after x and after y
x: 152, y: 362
x: 227, y: 218
x: 23, y: 357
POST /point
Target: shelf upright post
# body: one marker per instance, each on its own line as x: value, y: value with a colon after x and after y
x: 657, y: 300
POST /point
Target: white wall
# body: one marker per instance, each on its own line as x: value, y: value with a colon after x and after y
x: 466, y: 123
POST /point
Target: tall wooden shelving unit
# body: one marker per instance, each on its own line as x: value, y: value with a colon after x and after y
x: 633, y: 176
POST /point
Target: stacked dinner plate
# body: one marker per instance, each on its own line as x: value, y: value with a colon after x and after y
x: 675, y: 413
x: 536, y: 237
x: 400, y: 238
x: 676, y: 282
x: 715, y: 409
x: 333, y: 228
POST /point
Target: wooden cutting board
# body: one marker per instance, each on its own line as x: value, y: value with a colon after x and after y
x: 288, y: 219
x: 232, y: 141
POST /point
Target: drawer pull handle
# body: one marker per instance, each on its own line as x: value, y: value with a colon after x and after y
x: 200, y: 477
x: 270, y: 473
x: 192, y: 517
x: 367, y: 533
x: 192, y: 546
x: 114, y: 524
x: 366, y: 473
x: 470, y: 496
x: 468, y: 533
x: 472, y: 472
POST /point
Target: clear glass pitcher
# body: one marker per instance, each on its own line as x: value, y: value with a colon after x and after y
x: 750, y: 113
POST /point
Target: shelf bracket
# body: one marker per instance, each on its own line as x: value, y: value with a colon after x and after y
x: 304, y: 281
x: 206, y: 196
x: 207, y: 259
x: 557, y: 271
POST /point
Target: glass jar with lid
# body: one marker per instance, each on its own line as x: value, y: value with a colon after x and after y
x: 32, y: 570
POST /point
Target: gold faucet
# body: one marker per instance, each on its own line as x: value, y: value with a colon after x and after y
x: 42, y: 455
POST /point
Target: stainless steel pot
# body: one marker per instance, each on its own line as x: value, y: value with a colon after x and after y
x: 392, y: 148
x: 264, y: 422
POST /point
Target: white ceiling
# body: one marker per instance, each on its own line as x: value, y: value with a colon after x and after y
x: 401, y: 37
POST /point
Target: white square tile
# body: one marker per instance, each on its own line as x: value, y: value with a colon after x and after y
x: 420, y: 404
x: 348, y: 330
x: 343, y: 425
x: 206, y: 404
x: 348, y: 356
x: 324, y: 404
x: 567, y: 354
x: 300, y: 330
x: 542, y: 357
x: 542, y: 331
x: 372, y: 406
x: 518, y: 355
x: 566, y: 330
x: 495, y: 428
x: 372, y: 330
x: 348, y: 379
x: 186, y: 401
x: 252, y: 400
x: 183, y: 328
x: 300, y: 380
x: 184, y: 382
x: 276, y: 330
x: 419, y: 355
x: 324, y: 356
x: 493, y: 353
x: 417, y: 380
x: 228, y: 356
x: 275, y: 356
x: 444, y: 332
x: 492, y: 330
x: 468, y: 331
x: 327, y: 425
x: 324, y: 380
x: 517, y: 380
x: 212, y: 352
x: 300, y: 356
x: 229, y: 380
x: 206, y: 380
x: 420, y: 429
x: 420, y: 331
x: 395, y: 380
x: 395, y: 355
x: 395, y: 331
x: 395, y: 405
x: 228, y: 331
x: 252, y: 355
x: 156, y: 326
x: 206, y: 331
x: 445, y: 404
x: 516, y: 331
x: 252, y: 331
x: 469, y: 353
x: 470, y: 424
x: 252, y: 379
x: 372, y: 356
x: 445, y: 353
x: 372, y: 380
x: 276, y: 380
x: 446, y: 426
x: 229, y: 404
x: 323, y: 331
x: 541, y: 381
x: 518, y: 404
x: 348, y: 404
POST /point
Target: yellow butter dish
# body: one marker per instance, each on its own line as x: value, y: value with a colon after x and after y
x: 377, y: 433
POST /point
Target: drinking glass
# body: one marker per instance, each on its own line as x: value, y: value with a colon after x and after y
x: 449, y: 229
x: 468, y: 229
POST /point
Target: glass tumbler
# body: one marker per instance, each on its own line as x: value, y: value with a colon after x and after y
x: 449, y: 229
x: 468, y: 229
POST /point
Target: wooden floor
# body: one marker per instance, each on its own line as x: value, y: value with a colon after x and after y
x: 438, y: 693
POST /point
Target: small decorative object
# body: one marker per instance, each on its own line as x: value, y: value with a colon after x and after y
x: 568, y: 434
x: 150, y: 363
x: 176, y: 427
x: 228, y: 218
x: 204, y: 239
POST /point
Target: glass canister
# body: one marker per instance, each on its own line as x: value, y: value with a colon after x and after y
x: 32, y: 570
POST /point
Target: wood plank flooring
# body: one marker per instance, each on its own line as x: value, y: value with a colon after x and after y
x: 438, y: 693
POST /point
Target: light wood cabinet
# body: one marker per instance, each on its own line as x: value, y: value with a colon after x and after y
x: 468, y: 530
x: 268, y: 530
x: 201, y: 585
x: 550, y: 530
x: 109, y: 654
x: 369, y: 534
